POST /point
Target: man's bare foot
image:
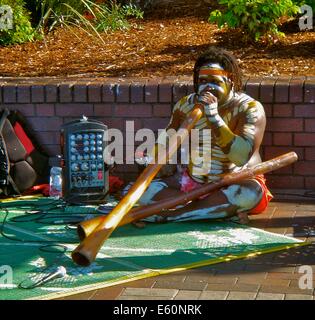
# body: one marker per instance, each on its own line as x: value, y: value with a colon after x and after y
x: 139, y: 224
x: 243, y: 218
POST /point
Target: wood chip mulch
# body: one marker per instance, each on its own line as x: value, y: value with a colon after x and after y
x: 156, y: 47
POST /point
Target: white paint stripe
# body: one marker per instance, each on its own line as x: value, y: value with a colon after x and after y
x: 22, y: 244
x: 28, y: 232
x: 186, y: 108
x: 215, y: 162
x: 139, y: 249
x: 216, y: 166
x: 123, y: 262
x: 252, y: 120
x: 7, y: 286
x: 249, y: 136
x: 249, y: 128
x: 55, y: 289
x: 201, y: 121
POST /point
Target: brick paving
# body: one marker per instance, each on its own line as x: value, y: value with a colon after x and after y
x: 273, y: 276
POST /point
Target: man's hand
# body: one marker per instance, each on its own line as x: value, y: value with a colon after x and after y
x: 210, y: 103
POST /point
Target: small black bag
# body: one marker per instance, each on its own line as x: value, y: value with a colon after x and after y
x: 23, y: 164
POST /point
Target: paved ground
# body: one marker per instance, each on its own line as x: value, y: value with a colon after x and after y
x: 272, y: 276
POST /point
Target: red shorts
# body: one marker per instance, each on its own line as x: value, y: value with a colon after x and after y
x: 188, y: 184
x: 266, y: 197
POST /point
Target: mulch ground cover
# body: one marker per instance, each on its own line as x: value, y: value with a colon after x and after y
x: 160, y: 45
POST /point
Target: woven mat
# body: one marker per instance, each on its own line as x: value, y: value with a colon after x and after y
x: 37, y: 236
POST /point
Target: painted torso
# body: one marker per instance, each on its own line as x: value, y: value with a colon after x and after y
x: 240, y: 115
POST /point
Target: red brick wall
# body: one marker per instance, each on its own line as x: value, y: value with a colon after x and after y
x: 289, y: 104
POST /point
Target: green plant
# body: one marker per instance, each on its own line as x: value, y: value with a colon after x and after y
x: 20, y: 30
x: 90, y: 16
x: 114, y: 16
x: 46, y: 14
x: 257, y: 18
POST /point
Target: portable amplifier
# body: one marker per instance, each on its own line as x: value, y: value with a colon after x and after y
x: 85, y: 175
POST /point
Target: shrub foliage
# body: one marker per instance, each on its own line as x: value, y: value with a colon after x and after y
x: 18, y: 30
x: 257, y: 18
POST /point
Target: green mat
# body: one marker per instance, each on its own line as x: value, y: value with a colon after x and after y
x: 36, y: 238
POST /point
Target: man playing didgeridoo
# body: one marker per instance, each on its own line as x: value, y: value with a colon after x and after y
x: 237, y: 124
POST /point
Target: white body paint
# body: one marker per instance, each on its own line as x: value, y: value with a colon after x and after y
x: 219, y: 162
x: 242, y: 197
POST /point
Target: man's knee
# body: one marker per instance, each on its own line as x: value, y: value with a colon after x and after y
x: 154, y: 188
x: 244, y: 196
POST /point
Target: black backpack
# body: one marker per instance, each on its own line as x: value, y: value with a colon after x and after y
x: 23, y: 163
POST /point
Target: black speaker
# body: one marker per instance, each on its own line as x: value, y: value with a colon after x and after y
x: 85, y: 175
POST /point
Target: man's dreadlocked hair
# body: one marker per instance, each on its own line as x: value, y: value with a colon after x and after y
x: 225, y: 59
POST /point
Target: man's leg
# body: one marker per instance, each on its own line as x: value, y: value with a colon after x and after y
x: 236, y: 199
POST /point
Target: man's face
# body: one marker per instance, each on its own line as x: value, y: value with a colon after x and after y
x: 213, y: 78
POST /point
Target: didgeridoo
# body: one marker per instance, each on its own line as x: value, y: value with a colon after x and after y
x: 87, y: 250
x: 85, y: 228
